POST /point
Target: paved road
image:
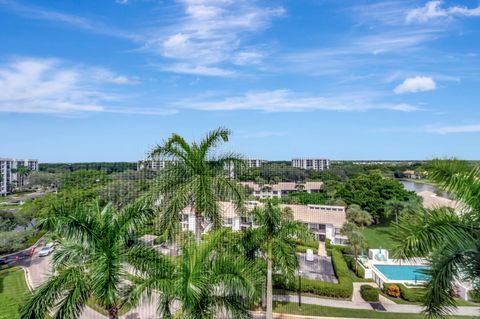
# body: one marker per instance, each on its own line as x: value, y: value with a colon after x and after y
x: 38, y: 269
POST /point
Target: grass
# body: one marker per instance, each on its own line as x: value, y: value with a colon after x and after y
x: 314, y: 310
x: 13, y: 291
x: 377, y: 236
x: 400, y: 301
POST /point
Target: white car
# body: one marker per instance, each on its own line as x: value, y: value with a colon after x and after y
x: 45, y: 251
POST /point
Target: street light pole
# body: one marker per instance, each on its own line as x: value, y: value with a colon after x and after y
x: 299, y: 289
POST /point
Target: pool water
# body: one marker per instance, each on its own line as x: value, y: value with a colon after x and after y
x: 407, y: 272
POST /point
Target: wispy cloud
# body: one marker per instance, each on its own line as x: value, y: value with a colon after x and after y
x: 434, y: 10
x: 289, y: 101
x: 31, y: 85
x: 210, y: 37
x: 40, y: 13
x: 416, y: 84
x: 473, y: 128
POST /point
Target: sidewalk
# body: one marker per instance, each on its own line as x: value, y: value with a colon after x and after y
x: 460, y: 311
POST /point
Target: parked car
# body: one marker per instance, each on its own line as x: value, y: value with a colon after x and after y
x: 45, y: 251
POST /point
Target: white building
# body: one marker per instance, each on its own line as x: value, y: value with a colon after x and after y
x: 9, y: 178
x: 282, y: 189
x: 323, y: 221
x: 149, y: 165
x: 317, y: 164
x: 255, y: 163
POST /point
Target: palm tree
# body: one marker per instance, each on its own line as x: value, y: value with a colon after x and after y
x: 273, y: 238
x: 355, y: 238
x: 196, y: 178
x: 394, y: 207
x: 450, y: 239
x: 208, y: 280
x: 97, y: 250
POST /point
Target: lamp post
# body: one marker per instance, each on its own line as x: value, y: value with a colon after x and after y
x: 300, y: 289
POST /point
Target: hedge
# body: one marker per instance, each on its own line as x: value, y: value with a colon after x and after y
x: 474, y: 296
x: 343, y: 289
x: 303, y: 249
x: 369, y: 293
x: 409, y: 294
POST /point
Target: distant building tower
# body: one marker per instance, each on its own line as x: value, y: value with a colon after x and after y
x: 316, y: 164
x: 149, y: 165
x: 10, y: 177
x: 255, y: 163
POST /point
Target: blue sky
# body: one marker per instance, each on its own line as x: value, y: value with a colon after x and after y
x: 106, y: 80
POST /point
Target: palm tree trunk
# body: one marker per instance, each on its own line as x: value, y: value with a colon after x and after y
x: 198, y: 227
x: 269, y: 289
x: 113, y: 312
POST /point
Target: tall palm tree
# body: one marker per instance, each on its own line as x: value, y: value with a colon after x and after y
x: 208, y: 280
x: 450, y: 239
x: 196, y: 178
x: 97, y: 250
x: 273, y: 239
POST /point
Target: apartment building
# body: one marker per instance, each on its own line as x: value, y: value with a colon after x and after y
x: 255, y: 163
x: 282, y: 189
x: 316, y: 164
x: 9, y: 177
x: 323, y: 221
x: 150, y: 165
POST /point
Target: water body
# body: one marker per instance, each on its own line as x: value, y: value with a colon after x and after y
x: 421, y: 187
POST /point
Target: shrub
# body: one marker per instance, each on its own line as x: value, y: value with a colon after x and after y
x: 303, y: 249
x: 343, y: 289
x: 369, y: 293
x: 412, y: 294
x: 474, y: 296
x: 393, y: 291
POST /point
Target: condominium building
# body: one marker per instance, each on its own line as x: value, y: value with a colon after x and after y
x: 282, y: 189
x: 10, y: 178
x: 255, y: 163
x: 323, y: 221
x: 150, y: 165
x: 316, y: 164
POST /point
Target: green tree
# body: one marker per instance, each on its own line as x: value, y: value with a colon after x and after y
x: 273, y: 237
x: 450, y: 240
x: 208, y: 279
x: 355, y: 238
x: 196, y: 178
x: 358, y: 216
x: 97, y: 251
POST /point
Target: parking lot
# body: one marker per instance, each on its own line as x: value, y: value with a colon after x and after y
x: 320, y: 268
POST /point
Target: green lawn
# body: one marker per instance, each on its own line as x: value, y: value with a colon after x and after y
x: 377, y: 236
x: 313, y: 310
x: 13, y: 290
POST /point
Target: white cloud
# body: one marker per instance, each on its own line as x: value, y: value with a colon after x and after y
x: 184, y: 68
x: 288, y: 101
x: 31, y: 85
x: 475, y: 128
x: 416, y: 84
x: 39, y: 13
x: 433, y: 10
x: 212, y: 34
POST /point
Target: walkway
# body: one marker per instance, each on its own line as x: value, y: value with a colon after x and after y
x: 461, y: 311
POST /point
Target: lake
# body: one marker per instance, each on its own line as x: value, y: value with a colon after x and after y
x: 421, y: 187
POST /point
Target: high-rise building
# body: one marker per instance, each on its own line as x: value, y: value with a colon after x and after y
x: 11, y: 175
x: 316, y: 164
x: 254, y: 162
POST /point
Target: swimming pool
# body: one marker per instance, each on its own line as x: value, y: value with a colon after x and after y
x: 407, y: 272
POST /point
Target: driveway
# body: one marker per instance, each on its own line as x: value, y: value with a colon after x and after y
x: 38, y: 270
